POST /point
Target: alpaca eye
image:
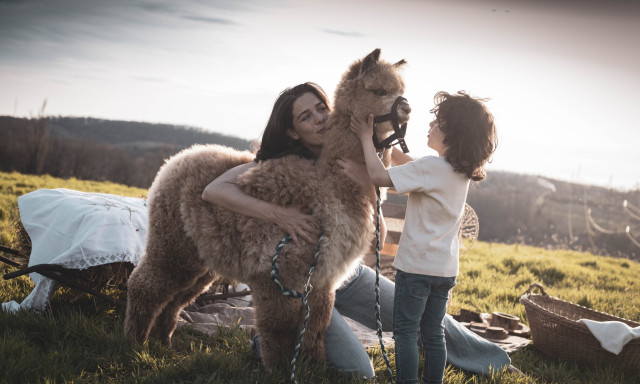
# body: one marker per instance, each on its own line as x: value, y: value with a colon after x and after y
x: 379, y: 92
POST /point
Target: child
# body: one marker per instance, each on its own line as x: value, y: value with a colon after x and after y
x: 464, y: 136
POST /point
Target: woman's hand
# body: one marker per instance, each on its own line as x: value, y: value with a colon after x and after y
x: 398, y: 157
x: 357, y: 172
x: 362, y: 129
x: 297, y: 224
x: 224, y: 193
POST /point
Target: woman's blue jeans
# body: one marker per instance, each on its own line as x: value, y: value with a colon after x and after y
x: 420, y: 304
x: 356, y: 299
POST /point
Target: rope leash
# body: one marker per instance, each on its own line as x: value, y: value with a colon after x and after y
x: 377, y: 289
x: 308, y: 287
x: 275, y: 274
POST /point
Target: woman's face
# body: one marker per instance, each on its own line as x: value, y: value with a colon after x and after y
x: 309, y: 122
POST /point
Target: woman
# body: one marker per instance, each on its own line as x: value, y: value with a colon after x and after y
x: 296, y: 127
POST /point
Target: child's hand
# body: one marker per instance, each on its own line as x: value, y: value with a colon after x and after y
x: 362, y: 129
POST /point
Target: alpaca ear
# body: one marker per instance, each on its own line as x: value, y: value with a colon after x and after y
x: 369, y: 61
x: 399, y: 63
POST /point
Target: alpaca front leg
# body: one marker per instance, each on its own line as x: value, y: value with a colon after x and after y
x: 277, y: 323
x: 320, y: 308
x: 167, y: 321
x: 144, y: 304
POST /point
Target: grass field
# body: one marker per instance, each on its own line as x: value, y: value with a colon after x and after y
x: 79, y: 338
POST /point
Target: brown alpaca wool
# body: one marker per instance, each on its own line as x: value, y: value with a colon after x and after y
x: 191, y: 243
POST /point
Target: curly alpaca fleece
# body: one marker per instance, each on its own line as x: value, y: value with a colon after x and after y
x: 191, y: 243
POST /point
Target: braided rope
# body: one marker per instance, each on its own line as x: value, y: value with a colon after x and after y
x: 275, y: 274
x: 377, y: 289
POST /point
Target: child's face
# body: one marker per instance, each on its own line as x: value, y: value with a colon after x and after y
x: 436, y: 138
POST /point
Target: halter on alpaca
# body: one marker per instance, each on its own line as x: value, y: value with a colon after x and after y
x: 398, y: 131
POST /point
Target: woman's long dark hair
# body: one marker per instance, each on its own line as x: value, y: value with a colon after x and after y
x: 276, y: 141
x: 469, y: 132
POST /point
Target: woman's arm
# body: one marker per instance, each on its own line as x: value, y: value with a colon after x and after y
x: 224, y: 192
x: 373, y: 198
x: 383, y: 230
x: 398, y: 157
x: 358, y: 173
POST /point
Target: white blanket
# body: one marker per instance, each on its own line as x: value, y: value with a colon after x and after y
x: 78, y: 230
x: 612, y: 335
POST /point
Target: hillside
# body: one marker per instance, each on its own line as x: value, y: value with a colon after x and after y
x: 137, y: 135
x: 534, y: 210
x: 512, y: 208
x: 124, y: 152
x: 525, y: 209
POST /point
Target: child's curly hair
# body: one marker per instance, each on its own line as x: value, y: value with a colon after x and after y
x: 469, y: 132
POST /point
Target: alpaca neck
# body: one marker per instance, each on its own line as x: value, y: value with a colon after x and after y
x: 340, y: 142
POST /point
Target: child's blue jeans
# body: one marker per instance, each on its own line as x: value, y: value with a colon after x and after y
x: 420, y: 303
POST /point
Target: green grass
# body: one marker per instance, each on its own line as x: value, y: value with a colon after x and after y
x: 494, y: 276
x: 79, y: 338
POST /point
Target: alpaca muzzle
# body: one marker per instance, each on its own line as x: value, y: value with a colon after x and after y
x: 397, y: 137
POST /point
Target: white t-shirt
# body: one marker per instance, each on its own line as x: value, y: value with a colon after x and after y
x: 437, y: 194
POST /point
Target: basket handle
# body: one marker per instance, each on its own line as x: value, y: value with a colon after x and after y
x: 536, y: 285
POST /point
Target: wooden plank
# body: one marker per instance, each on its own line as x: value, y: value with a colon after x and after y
x: 389, y: 249
x: 385, y: 260
x: 393, y: 237
x: 395, y: 198
x: 394, y: 224
x: 393, y: 210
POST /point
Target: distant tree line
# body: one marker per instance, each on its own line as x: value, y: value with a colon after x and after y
x: 512, y: 208
x: 139, y: 134
x: 123, y: 152
x: 534, y: 210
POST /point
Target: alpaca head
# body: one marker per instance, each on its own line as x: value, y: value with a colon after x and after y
x: 372, y: 86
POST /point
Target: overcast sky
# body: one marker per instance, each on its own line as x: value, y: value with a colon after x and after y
x: 563, y: 75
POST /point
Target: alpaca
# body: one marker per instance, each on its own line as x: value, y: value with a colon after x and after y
x: 190, y: 243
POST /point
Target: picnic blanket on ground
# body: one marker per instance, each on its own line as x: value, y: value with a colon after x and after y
x: 78, y: 230
x: 232, y: 312
x: 224, y: 313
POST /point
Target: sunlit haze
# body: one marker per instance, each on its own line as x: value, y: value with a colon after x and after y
x: 562, y: 76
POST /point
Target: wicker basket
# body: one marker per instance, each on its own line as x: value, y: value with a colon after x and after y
x: 556, y: 332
